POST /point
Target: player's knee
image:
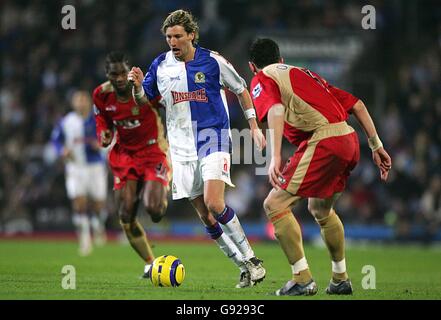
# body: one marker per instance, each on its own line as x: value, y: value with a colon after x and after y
x: 318, y: 211
x: 156, y: 211
x: 216, y: 206
x: 125, y: 217
x: 269, y: 206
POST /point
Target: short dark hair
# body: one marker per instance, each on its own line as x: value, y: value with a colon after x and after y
x: 116, y: 57
x: 263, y: 52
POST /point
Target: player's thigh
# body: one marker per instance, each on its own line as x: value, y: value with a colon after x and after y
x: 154, y: 194
x: 128, y: 198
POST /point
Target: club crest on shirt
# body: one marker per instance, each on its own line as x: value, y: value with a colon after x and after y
x: 199, y: 77
x: 135, y: 111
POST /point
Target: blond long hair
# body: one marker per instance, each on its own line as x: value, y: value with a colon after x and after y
x: 184, y: 19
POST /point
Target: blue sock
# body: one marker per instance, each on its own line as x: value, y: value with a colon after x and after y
x: 226, y: 215
x: 214, y: 231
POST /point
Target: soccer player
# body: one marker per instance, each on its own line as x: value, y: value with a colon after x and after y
x: 138, y: 157
x: 311, y: 114
x: 85, y: 170
x: 190, y: 80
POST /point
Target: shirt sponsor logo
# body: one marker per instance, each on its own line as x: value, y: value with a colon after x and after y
x: 175, y: 78
x: 198, y: 95
x: 127, y: 124
x: 111, y: 108
x: 257, y: 91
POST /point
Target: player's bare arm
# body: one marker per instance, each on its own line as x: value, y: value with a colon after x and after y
x: 136, y: 76
x: 248, y: 109
x: 379, y: 155
x: 276, y: 122
x: 106, y: 138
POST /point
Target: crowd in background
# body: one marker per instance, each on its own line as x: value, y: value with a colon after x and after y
x: 42, y: 64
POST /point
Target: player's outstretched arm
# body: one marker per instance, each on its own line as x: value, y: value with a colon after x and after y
x: 250, y: 114
x: 379, y: 155
x: 135, y: 77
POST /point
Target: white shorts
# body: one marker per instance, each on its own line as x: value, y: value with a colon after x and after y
x: 189, y: 176
x: 86, y: 180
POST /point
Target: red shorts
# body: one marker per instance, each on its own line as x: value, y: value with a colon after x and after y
x: 148, y: 164
x: 321, y: 166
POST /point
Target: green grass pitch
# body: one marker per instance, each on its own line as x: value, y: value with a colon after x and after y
x: 32, y: 270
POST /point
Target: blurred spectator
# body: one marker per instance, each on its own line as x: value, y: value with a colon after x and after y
x: 431, y: 210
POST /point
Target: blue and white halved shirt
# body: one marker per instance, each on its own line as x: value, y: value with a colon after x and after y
x: 198, y: 122
x: 79, y: 135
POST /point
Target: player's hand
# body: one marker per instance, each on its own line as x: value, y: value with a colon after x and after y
x: 257, y: 135
x: 274, y: 175
x: 259, y: 138
x: 106, y: 138
x: 95, y: 145
x: 136, y: 77
x: 383, y: 161
x: 67, y: 154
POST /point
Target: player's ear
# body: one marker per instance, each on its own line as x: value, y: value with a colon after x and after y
x: 252, y: 67
x: 192, y: 36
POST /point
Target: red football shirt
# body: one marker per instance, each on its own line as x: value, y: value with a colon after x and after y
x: 136, y: 127
x: 311, y: 101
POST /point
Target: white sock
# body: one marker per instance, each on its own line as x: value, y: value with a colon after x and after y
x: 300, y: 265
x: 97, y: 225
x: 339, y: 267
x: 235, y: 232
x: 103, y: 215
x: 230, y: 250
x: 81, y: 222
